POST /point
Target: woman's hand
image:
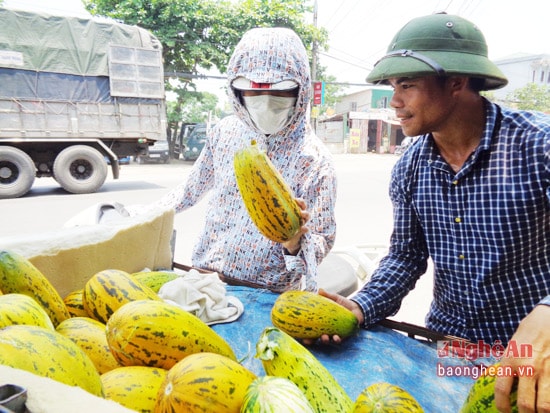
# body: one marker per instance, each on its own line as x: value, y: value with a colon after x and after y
x: 293, y: 245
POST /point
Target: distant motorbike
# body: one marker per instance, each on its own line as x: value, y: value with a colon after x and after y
x: 405, y: 144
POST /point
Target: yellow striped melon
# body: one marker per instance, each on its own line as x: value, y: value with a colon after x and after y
x: 89, y: 335
x: 159, y: 334
x: 47, y: 353
x: 22, y: 309
x: 481, y: 397
x: 205, y: 383
x: 74, y: 304
x: 268, y: 199
x: 134, y: 387
x: 108, y: 290
x: 18, y: 275
x: 284, y: 356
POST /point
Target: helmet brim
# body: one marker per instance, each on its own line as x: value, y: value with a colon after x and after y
x: 453, y: 64
x: 242, y: 83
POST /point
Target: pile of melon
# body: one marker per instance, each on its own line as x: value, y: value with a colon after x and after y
x: 116, y: 339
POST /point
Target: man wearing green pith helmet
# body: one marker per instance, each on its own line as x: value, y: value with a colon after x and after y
x: 473, y: 195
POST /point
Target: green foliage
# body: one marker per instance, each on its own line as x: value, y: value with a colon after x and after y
x: 203, y: 34
x: 532, y: 97
x: 280, y: 13
x: 199, y: 106
x: 189, y: 30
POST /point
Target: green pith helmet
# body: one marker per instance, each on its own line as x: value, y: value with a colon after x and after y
x: 439, y: 44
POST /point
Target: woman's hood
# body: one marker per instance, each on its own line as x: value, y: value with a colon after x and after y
x: 271, y: 55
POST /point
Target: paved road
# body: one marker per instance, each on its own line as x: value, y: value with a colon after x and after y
x: 363, y: 208
x: 363, y: 211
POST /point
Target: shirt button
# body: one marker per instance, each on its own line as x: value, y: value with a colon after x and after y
x: 455, y: 182
x: 457, y: 219
x: 461, y: 256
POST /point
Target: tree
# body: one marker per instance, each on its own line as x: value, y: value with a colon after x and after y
x: 200, y: 35
x: 532, y: 97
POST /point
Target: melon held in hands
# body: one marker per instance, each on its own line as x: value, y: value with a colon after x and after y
x: 307, y: 315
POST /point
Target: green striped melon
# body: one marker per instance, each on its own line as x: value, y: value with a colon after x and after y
x: 386, y: 398
x: 275, y: 394
x: 481, y: 397
x: 305, y: 314
x: 154, y: 279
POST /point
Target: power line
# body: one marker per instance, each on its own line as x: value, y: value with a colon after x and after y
x: 345, y: 15
x: 345, y: 61
x: 189, y: 75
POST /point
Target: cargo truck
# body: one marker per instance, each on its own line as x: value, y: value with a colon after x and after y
x: 76, y: 95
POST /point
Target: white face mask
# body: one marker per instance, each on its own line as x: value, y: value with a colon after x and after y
x: 269, y: 113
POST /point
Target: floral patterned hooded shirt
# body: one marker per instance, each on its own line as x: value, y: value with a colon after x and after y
x: 230, y: 243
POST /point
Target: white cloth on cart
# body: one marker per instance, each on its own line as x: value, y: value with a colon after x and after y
x: 203, y: 295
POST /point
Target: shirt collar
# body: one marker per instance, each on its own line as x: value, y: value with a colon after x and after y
x: 431, y: 154
x: 491, y: 116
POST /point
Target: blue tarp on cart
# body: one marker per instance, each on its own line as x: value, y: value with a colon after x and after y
x: 375, y: 355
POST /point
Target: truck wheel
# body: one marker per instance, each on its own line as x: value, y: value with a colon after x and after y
x: 80, y: 169
x: 17, y: 172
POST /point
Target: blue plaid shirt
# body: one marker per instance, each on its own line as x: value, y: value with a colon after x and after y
x: 486, y: 228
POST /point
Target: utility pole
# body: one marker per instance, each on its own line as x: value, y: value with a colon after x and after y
x: 314, y: 46
x: 314, y: 64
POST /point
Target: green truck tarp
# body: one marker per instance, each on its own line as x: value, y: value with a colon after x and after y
x: 64, y: 44
x: 70, y: 77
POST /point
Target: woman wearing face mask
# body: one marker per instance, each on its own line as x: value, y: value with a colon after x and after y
x: 270, y: 105
x: 269, y: 87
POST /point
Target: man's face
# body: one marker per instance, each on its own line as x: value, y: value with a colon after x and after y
x: 422, y: 104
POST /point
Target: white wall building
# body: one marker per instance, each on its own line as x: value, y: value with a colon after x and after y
x: 521, y: 69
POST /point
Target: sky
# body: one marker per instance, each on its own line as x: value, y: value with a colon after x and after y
x: 360, y: 30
